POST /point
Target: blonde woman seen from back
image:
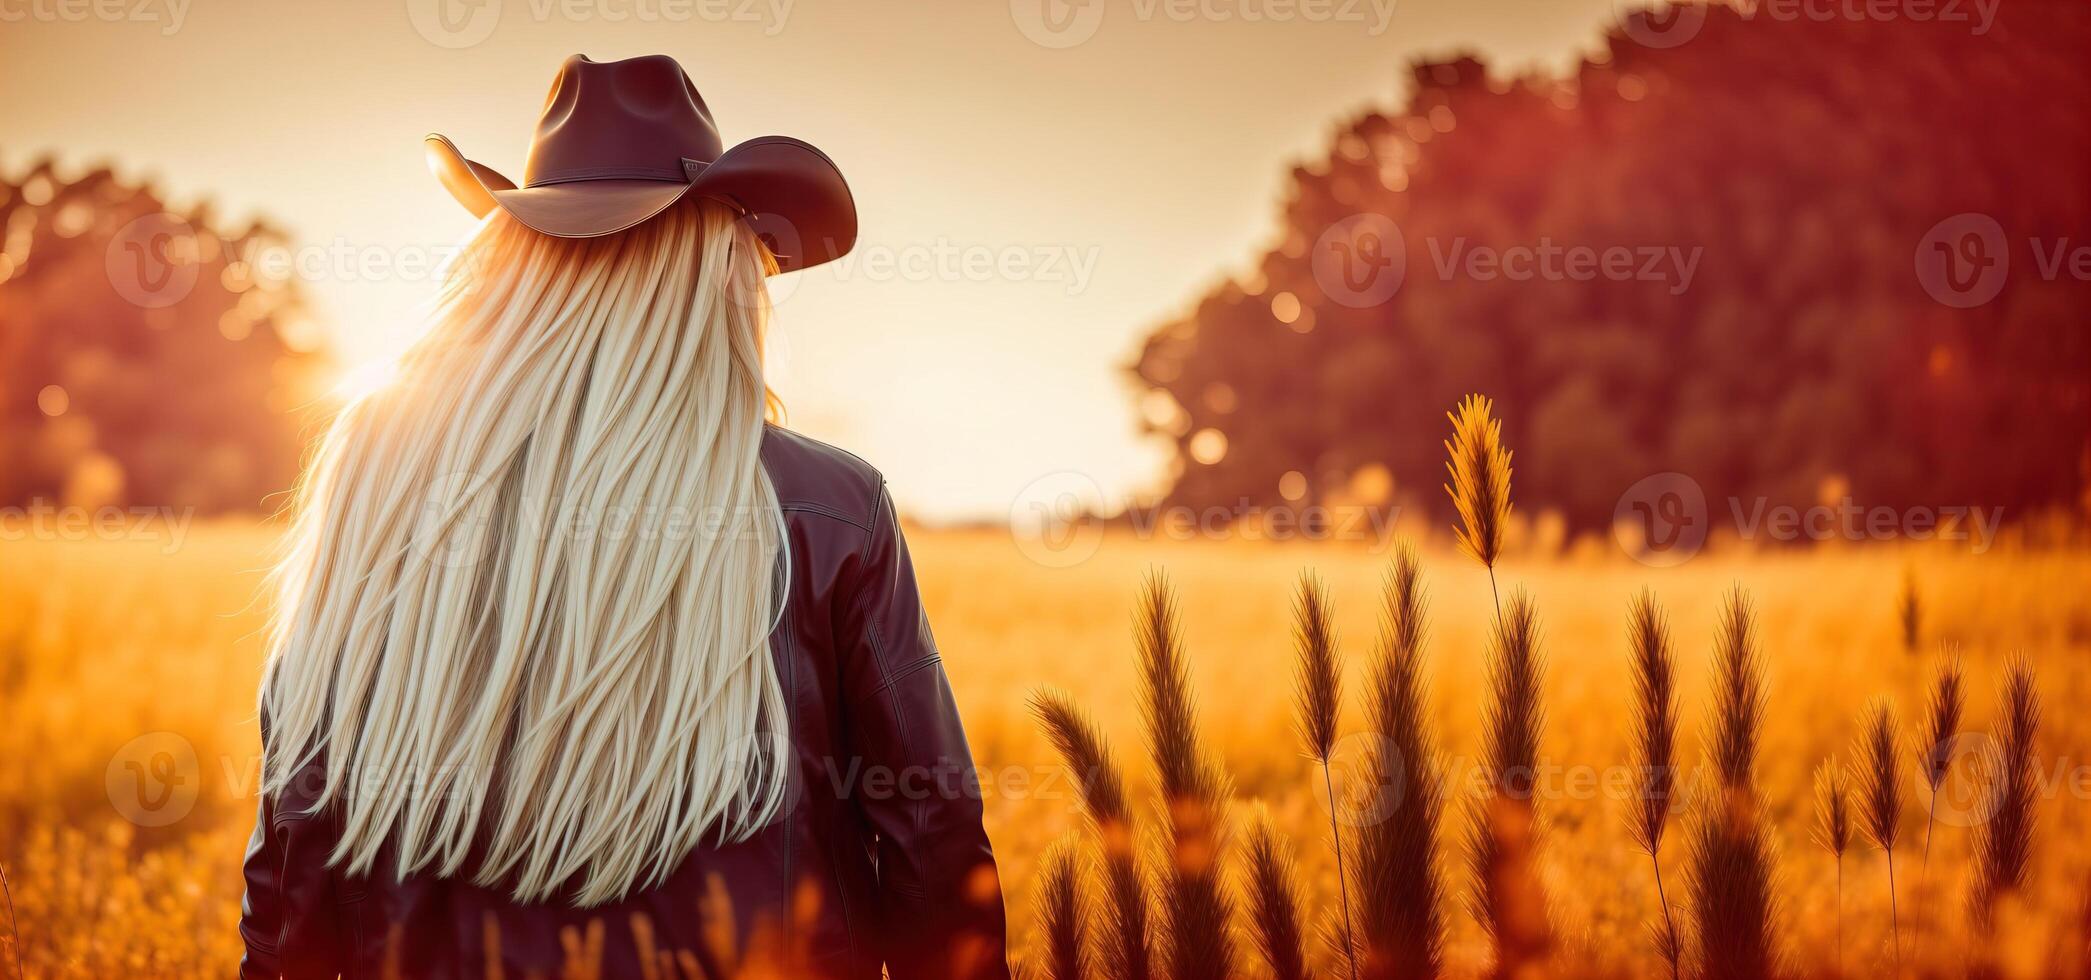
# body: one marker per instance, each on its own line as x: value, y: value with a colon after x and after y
x: 580, y: 664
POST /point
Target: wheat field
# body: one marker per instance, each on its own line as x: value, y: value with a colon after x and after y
x: 103, y: 643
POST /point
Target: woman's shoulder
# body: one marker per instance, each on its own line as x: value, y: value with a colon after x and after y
x: 812, y: 476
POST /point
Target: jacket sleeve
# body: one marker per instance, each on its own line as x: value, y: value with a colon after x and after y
x: 940, y: 898
x: 287, y: 921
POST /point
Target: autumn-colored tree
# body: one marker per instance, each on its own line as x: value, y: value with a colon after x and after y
x: 1775, y: 186
x: 144, y: 360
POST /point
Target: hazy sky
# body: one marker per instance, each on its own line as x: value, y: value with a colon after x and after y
x: 1031, y: 206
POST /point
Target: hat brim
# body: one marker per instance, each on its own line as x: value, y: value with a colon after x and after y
x: 789, y: 192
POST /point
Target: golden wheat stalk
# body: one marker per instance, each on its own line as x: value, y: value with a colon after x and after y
x: 1063, y: 913
x: 1197, y: 909
x: 1935, y: 752
x: 1730, y: 881
x: 1320, y: 681
x: 1102, y: 789
x: 1274, y: 901
x: 1479, y: 466
x: 2004, y: 841
x: 1502, y: 832
x: 1655, y: 740
x: 1401, y: 892
x: 1833, y: 831
x: 1880, y: 797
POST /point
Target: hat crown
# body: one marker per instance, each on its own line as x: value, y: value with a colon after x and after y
x: 639, y: 118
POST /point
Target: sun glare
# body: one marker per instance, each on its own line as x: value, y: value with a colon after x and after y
x: 365, y: 379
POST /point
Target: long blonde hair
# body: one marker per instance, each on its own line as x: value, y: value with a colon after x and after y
x: 526, y: 600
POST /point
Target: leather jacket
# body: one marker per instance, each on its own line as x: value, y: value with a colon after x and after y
x: 879, y: 857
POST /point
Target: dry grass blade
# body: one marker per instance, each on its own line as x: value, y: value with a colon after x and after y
x: 2004, y: 841
x: 1401, y: 893
x: 1319, y: 675
x: 1655, y: 722
x: 1063, y: 913
x: 1730, y: 882
x: 1320, y: 679
x: 1167, y: 704
x: 1087, y: 756
x: 1942, y: 719
x: 1910, y: 609
x: 1880, y: 797
x: 1197, y: 909
x: 1833, y: 816
x: 1508, y: 898
x: 1274, y: 902
x: 1480, y: 471
x: 1655, y: 740
x: 1732, y: 891
x: 1832, y: 830
x: 1934, y: 752
x: 1514, y: 713
x: 1126, y: 949
x: 1738, y: 712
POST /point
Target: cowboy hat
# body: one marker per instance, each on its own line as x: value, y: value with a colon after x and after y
x: 621, y: 141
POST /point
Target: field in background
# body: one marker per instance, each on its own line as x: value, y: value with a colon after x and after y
x: 102, y: 643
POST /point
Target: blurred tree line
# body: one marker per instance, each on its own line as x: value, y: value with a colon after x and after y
x: 1810, y: 165
x: 143, y: 361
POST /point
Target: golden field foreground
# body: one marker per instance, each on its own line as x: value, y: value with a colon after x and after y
x: 104, y: 642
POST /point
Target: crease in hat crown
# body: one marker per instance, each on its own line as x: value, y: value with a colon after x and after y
x: 621, y: 141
